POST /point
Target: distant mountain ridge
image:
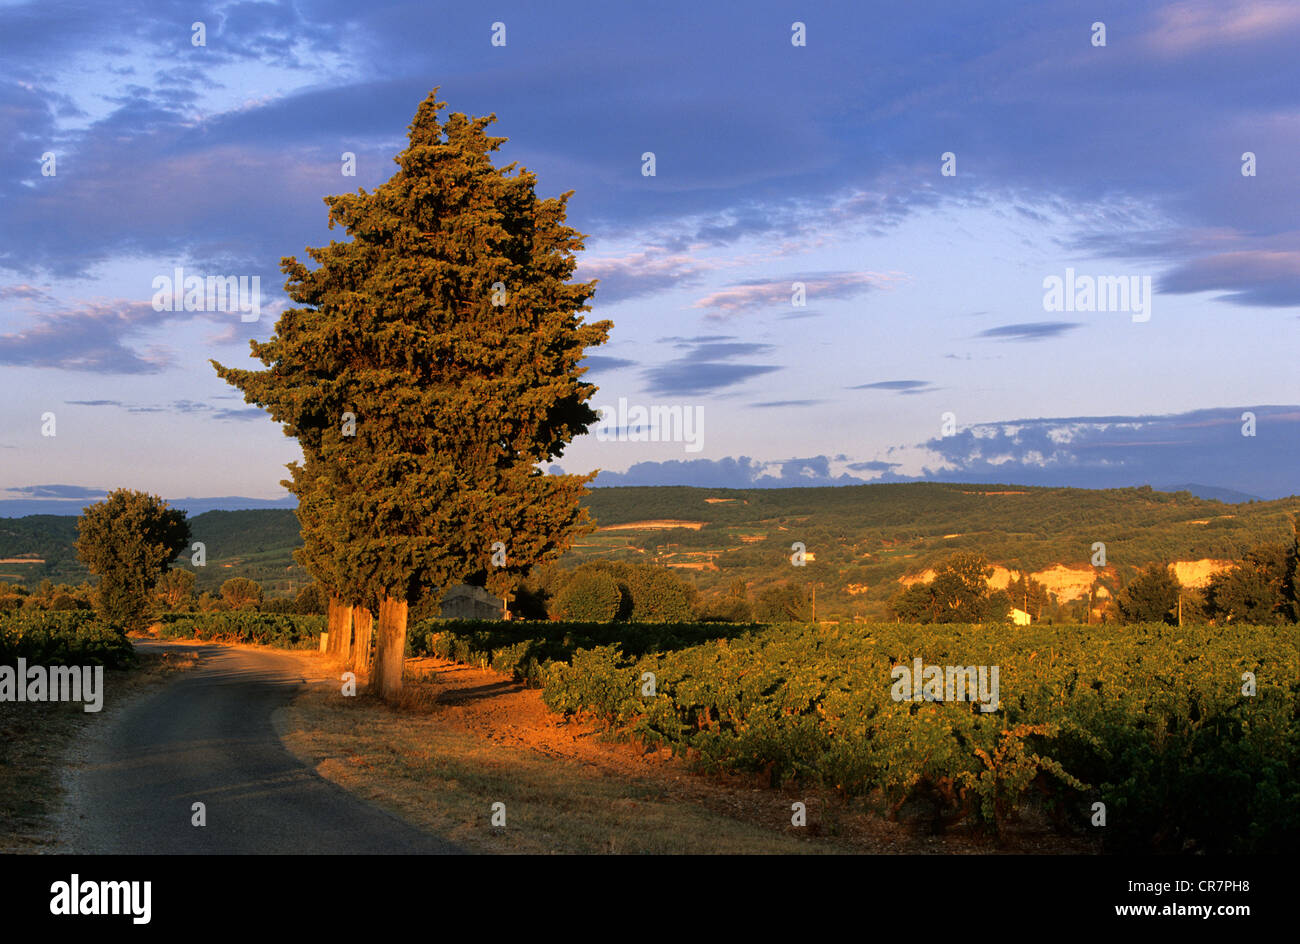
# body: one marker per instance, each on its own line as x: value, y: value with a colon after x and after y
x: 22, y: 507
x: 1228, y: 496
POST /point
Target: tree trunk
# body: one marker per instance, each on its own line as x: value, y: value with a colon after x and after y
x: 344, y: 648
x: 390, y: 649
x: 364, y: 622
x: 332, y: 625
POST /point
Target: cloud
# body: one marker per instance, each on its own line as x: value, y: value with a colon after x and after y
x: 689, y: 377
x: 1261, y: 278
x: 92, y: 338
x: 705, y: 368
x: 181, y: 407
x: 640, y: 273
x: 1030, y: 331
x: 24, y: 293
x: 1202, y: 446
x: 1205, y: 446
x: 57, y: 491
x: 596, y: 363
x: 756, y: 294
x: 1183, y: 28
x: 898, y: 386
x: 740, y: 472
x: 770, y: 404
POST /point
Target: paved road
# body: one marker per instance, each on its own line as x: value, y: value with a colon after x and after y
x: 207, y: 736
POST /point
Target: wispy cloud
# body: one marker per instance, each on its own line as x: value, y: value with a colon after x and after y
x: 93, y: 339
x: 56, y: 491
x: 637, y: 274
x: 1030, y: 331
x: 706, y: 366
x: 898, y: 386
x: 180, y: 407
x: 1264, y: 278
x: 757, y: 294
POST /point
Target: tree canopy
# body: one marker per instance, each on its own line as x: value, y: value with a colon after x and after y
x: 129, y: 540
x: 431, y: 367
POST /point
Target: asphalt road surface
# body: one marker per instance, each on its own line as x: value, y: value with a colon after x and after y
x: 206, y: 736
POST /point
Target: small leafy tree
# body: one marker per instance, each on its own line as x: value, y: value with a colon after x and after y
x: 129, y: 541
x: 311, y: 600
x: 240, y: 593
x: 176, y: 589
x: 1029, y: 595
x: 783, y: 603
x: 1254, y: 590
x: 659, y: 595
x: 959, y: 593
x: 1151, y: 597
x: 592, y: 596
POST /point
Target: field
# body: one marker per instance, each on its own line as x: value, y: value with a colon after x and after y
x: 1146, y: 737
x: 1152, y: 721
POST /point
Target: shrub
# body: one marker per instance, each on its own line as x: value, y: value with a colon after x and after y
x: 590, y: 596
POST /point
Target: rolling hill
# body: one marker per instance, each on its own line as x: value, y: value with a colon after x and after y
x: 860, y: 540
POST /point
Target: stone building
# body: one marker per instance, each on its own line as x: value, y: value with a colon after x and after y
x: 472, y: 603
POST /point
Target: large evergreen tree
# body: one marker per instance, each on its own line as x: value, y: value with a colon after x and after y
x: 432, y: 366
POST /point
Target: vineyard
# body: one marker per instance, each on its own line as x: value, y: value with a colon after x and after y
x: 1152, y: 737
x: 1150, y: 721
x: 266, y: 629
x: 63, y: 638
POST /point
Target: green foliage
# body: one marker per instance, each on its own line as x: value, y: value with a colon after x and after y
x: 269, y: 629
x: 783, y: 603
x: 1151, y: 597
x: 524, y: 649
x: 1152, y: 722
x: 645, y: 593
x: 959, y: 593
x: 63, y: 638
x: 867, y: 536
x: 424, y: 399
x: 129, y: 540
x: 1258, y: 589
x: 589, y: 597
x: 176, y: 589
x: 240, y: 593
x: 735, y: 607
x: 312, y: 600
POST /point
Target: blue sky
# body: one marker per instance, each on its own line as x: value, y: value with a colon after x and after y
x: 775, y: 164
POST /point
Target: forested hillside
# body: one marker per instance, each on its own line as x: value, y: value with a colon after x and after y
x: 859, y: 540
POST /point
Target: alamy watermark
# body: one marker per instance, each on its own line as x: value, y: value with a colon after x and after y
x: 1099, y: 293
x: 78, y: 897
x: 181, y: 292
x: 658, y: 423
x: 921, y: 682
x: 53, y: 683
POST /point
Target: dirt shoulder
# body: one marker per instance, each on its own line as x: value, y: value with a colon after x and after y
x: 38, y: 742
x: 466, y: 738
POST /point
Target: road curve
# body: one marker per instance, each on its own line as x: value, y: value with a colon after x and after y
x: 207, y: 736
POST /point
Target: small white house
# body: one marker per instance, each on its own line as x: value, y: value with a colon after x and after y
x: 1020, y: 617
